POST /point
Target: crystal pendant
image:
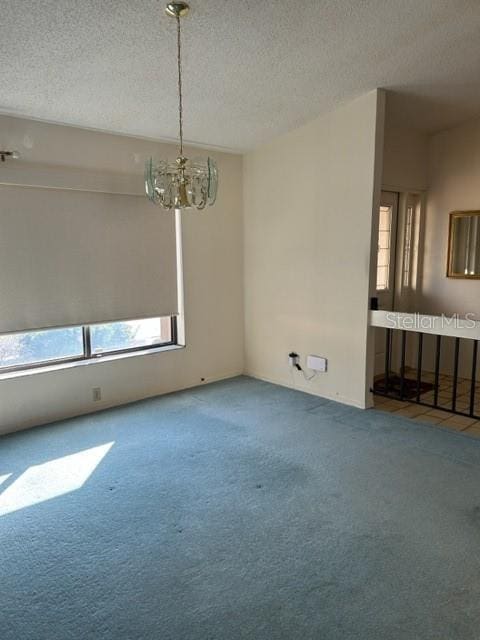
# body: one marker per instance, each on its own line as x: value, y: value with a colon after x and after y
x: 183, y: 184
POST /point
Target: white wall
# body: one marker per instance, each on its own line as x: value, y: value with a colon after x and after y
x: 213, y: 274
x: 308, y: 199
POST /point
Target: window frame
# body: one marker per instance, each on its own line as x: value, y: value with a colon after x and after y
x: 88, y: 356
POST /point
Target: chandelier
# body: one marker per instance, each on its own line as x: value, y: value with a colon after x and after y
x: 184, y: 183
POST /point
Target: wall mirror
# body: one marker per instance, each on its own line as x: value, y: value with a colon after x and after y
x: 464, y: 245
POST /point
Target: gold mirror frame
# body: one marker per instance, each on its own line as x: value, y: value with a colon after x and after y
x: 451, y: 273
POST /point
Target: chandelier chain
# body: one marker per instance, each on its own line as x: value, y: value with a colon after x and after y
x: 181, y: 184
x: 180, y: 96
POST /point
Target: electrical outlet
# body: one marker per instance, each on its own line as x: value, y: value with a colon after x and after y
x: 97, y: 394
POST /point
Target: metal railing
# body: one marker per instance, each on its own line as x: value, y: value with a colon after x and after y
x: 410, y: 384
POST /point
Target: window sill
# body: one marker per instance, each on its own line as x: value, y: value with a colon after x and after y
x: 8, y: 375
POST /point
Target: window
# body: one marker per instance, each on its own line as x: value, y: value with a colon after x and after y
x: 49, y: 346
x: 407, y: 250
x: 32, y: 347
x: 134, y: 334
x: 383, y: 254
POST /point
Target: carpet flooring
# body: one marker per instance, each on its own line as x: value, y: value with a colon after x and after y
x: 239, y: 510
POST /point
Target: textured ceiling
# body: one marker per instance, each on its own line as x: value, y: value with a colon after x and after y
x: 252, y: 69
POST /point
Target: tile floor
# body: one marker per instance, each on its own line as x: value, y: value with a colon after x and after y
x: 437, y: 417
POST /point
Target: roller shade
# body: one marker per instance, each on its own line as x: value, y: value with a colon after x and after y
x: 74, y: 257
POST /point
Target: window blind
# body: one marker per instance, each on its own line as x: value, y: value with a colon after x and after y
x: 74, y: 257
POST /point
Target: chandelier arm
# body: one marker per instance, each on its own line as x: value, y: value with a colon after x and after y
x: 180, y: 96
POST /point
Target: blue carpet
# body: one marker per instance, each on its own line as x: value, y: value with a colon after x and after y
x: 239, y: 510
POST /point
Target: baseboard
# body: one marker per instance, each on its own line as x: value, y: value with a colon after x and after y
x: 104, y: 407
x: 306, y: 389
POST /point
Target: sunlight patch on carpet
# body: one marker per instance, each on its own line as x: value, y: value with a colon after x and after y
x: 51, y: 479
x: 5, y: 477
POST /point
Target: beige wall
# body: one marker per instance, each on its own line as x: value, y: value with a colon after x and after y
x: 447, y: 166
x: 405, y: 171
x: 405, y: 158
x: 307, y: 261
x: 308, y: 199
x: 213, y: 273
x: 454, y: 184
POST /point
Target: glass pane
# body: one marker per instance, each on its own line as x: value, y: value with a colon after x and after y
x: 465, y: 253
x: 133, y: 334
x: 475, y: 244
x: 385, y: 218
x: 407, y: 247
x: 383, y: 255
x: 382, y: 278
x: 383, y: 239
x: 33, y: 347
x: 461, y: 232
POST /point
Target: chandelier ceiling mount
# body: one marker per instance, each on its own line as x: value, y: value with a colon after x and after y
x: 177, y: 9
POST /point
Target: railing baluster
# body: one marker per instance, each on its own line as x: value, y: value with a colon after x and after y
x: 419, y: 365
x: 455, y: 374
x: 474, y: 377
x: 463, y: 396
x: 402, y: 366
x: 387, y: 359
x: 437, y: 369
